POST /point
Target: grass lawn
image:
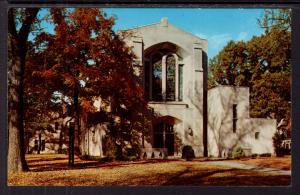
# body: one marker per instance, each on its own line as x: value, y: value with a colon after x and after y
x: 52, y: 170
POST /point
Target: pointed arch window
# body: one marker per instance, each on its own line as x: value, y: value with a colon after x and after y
x: 165, y: 77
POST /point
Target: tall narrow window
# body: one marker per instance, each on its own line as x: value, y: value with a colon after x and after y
x: 170, y: 85
x: 156, y: 77
x: 234, y: 117
x: 180, y: 82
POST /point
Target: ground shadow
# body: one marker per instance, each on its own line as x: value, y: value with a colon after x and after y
x: 44, y: 165
x: 227, y: 177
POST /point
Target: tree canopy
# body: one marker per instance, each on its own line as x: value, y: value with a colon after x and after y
x: 262, y: 63
x: 85, y: 60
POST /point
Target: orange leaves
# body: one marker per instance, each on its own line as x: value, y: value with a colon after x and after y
x: 86, y: 18
x: 87, y: 105
x: 86, y: 56
x: 71, y: 50
x: 69, y: 81
x: 47, y: 74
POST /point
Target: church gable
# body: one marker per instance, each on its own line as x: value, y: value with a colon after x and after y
x: 164, y: 32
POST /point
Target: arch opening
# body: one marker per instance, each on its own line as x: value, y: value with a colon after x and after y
x: 163, y: 133
x: 163, y: 72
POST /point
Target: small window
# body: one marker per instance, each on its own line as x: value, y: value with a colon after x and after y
x: 256, y: 135
x: 234, y: 117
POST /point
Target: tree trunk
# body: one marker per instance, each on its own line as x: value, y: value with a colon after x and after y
x: 16, y: 150
x: 16, y: 146
x: 77, y: 119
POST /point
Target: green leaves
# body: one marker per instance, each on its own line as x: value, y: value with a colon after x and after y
x: 229, y: 64
x: 263, y: 64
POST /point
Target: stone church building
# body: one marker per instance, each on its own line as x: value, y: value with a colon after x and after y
x: 172, y: 65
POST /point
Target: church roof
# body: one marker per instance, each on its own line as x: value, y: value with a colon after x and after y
x: 161, y: 32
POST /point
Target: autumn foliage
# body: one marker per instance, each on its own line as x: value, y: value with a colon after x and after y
x: 84, y: 60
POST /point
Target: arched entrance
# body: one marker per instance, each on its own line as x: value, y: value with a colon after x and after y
x: 163, y: 133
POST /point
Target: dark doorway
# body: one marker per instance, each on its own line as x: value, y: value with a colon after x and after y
x: 164, y: 136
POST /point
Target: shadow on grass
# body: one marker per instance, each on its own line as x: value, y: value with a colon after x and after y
x: 237, y: 179
x: 229, y: 177
x: 45, y: 160
x: 190, y: 174
x: 189, y: 177
x: 44, y: 165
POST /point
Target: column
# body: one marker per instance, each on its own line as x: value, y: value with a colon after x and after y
x: 138, y: 50
x: 197, y: 51
x: 138, y: 63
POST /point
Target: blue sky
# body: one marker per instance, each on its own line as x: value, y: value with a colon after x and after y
x: 216, y: 25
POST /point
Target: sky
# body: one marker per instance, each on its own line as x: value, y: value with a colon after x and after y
x: 216, y: 25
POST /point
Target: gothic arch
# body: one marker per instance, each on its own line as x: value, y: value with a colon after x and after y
x: 163, y: 72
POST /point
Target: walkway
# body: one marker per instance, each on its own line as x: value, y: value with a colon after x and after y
x: 251, y: 167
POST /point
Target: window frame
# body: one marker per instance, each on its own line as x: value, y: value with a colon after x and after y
x: 177, y: 89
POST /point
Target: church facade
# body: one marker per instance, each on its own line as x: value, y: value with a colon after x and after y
x: 171, y: 62
x: 172, y: 66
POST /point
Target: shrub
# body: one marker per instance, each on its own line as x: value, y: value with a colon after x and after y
x: 188, y: 153
x: 128, y: 154
x: 238, y: 152
x: 133, y: 151
x: 62, y: 151
x: 96, y: 158
x: 277, y: 143
x: 265, y: 155
x: 254, y: 155
x: 87, y: 157
x: 119, y: 153
x: 109, y: 147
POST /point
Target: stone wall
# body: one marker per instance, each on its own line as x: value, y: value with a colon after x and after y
x: 221, y: 136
